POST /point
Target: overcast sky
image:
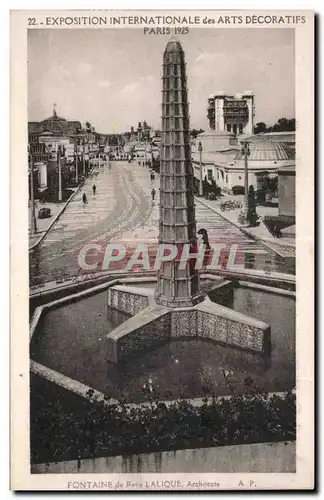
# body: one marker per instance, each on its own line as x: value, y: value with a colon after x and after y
x: 112, y: 78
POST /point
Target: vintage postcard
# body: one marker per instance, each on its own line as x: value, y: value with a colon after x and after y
x: 162, y: 234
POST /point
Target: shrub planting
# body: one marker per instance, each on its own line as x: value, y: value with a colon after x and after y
x: 65, y: 426
x: 238, y: 190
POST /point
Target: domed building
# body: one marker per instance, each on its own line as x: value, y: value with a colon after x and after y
x: 226, y: 164
x: 264, y: 149
x: 216, y: 141
x: 56, y: 126
x: 266, y: 157
x: 217, y: 147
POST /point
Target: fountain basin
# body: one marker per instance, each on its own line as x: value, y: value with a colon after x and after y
x: 70, y: 339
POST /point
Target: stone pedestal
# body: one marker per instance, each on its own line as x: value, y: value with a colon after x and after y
x: 153, y: 324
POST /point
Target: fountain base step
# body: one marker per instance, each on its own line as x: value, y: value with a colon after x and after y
x: 153, y: 324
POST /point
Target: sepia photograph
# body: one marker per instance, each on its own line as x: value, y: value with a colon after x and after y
x: 162, y: 167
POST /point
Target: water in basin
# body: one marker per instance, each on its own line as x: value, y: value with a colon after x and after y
x: 71, y: 340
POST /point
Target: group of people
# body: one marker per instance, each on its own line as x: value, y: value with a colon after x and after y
x: 153, y: 192
x: 94, y: 189
x: 202, y: 232
x: 84, y: 196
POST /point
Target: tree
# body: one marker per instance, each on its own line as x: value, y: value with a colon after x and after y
x: 206, y: 186
x: 285, y: 125
x: 252, y: 215
x: 273, y: 185
x: 89, y: 128
x: 260, y: 128
x: 113, y: 140
x: 282, y: 125
x: 196, y: 132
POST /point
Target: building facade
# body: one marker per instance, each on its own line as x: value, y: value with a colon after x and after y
x: 143, y: 133
x: 231, y: 112
x: 41, y: 153
x: 55, y: 125
x: 287, y: 192
x: 223, y: 161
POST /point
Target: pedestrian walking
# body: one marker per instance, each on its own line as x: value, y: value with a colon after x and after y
x: 205, y: 241
x: 84, y: 199
x: 94, y: 188
x: 153, y: 194
x: 204, y: 237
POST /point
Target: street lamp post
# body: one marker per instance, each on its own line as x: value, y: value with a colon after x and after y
x: 60, y: 173
x: 83, y: 158
x: 149, y: 155
x: 32, y: 197
x: 246, y: 154
x: 200, y: 149
x: 76, y: 166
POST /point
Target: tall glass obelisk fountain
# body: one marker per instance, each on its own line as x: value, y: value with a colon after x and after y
x: 177, y: 308
x: 176, y: 287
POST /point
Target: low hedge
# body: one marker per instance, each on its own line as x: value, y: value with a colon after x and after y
x: 238, y: 190
x: 53, y: 197
x: 66, y: 427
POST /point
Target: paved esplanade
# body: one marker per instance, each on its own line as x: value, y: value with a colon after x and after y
x: 119, y: 204
x: 122, y: 210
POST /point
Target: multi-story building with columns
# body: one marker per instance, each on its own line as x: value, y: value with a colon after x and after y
x: 231, y: 112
